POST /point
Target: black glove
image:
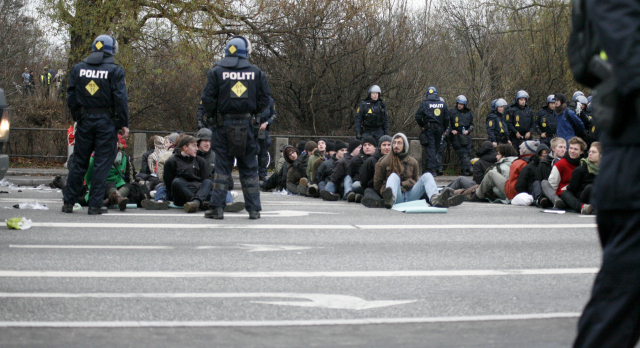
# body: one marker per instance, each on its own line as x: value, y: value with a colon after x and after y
x: 359, y: 136
x: 200, y: 125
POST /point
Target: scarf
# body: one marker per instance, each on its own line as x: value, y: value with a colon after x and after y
x: 591, y: 167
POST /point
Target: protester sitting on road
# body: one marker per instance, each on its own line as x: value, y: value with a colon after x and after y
x: 527, y: 178
x: 558, y: 149
x: 144, y: 172
x: 120, y: 174
x: 492, y: 186
x: 322, y: 175
x: 367, y: 174
x: 368, y: 148
x: 397, y: 178
x: 561, y: 175
x: 578, y: 192
x: 340, y: 177
x: 528, y: 149
x: 162, y: 146
x: 186, y: 176
x: 314, y: 153
x: 297, y: 168
x: 311, y: 149
x: 280, y: 161
x: 301, y: 147
x: 278, y: 180
x: 486, y: 159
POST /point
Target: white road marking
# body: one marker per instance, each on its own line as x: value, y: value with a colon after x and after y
x: 315, y: 300
x: 327, y: 227
x: 301, y: 274
x: 247, y: 247
x: 316, y: 322
x: 280, y: 213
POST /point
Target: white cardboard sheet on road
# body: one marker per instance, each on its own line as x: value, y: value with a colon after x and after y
x: 416, y: 207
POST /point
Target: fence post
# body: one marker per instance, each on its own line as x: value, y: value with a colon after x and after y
x: 139, y: 146
x: 415, y: 151
x: 280, y: 142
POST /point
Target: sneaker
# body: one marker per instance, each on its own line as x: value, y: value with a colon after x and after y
x: 545, y: 203
x: 441, y: 200
x: 191, y: 207
x: 291, y: 187
x: 371, y: 202
x: 234, y: 207
x: 313, y: 191
x: 351, y: 197
x: 329, y: 196
x: 234, y: 194
x: 559, y: 204
x: 359, y: 198
x: 150, y: 204
x: 456, y: 200
x: 587, y: 209
x: 389, y: 198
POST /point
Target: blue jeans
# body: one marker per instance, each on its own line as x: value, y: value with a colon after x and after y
x: 322, y: 185
x: 161, y: 193
x: 426, y: 184
x: 227, y: 200
x: 348, y: 184
x: 357, y: 187
x: 330, y: 187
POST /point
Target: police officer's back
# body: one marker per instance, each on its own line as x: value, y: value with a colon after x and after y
x: 371, y: 116
x: 235, y: 94
x: 97, y: 99
x: 433, y: 117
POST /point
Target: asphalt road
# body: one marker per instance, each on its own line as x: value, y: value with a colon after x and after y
x: 308, y: 274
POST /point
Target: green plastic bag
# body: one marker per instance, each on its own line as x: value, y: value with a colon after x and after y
x: 18, y: 223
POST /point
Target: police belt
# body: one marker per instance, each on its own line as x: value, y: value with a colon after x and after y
x: 432, y: 124
x: 97, y: 111
x: 237, y: 116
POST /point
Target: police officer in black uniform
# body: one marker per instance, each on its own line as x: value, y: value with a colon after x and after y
x: 97, y: 99
x: 611, y: 318
x: 433, y: 117
x: 520, y: 119
x: 371, y: 116
x: 460, y: 127
x: 236, y: 92
x: 546, y: 122
x: 264, y: 140
x: 497, y: 130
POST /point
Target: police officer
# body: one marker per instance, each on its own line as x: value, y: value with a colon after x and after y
x: 97, y: 99
x: 236, y: 93
x: 546, y: 122
x: 266, y: 120
x: 371, y: 116
x: 460, y: 127
x: 442, y: 147
x: 433, y: 117
x: 497, y: 131
x: 520, y: 119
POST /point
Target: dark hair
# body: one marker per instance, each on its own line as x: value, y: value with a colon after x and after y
x: 561, y: 97
x: 506, y: 150
x: 151, y: 144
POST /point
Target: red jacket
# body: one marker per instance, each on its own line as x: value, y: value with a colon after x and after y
x: 566, y: 169
x: 514, y: 173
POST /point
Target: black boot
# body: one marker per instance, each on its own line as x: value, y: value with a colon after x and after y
x: 254, y: 215
x: 67, y: 208
x: 215, y: 213
x: 98, y: 210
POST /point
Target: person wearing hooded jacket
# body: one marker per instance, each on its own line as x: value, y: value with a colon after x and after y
x: 371, y: 116
x: 368, y: 148
x: 398, y: 180
x: 520, y: 119
x: 460, y: 127
x: 527, y: 151
x: 578, y: 192
x: 433, y: 118
x: 340, y: 175
x: 486, y: 159
x: 494, y: 181
x: 367, y: 173
x: 526, y: 180
x: 497, y: 130
x: 546, y: 122
x: 313, y: 149
x: 322, y: 176
x: 297, y: 170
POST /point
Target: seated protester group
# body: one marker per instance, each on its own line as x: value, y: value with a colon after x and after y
x: 367, y: 149
x: 372, y: 198
x: 494, y: 181
x: 323, y: 174
x: 561, y: 175
x: 526, y: 182
x: 558, y: 150
x: 340, y: 177
x: 186, y: 176
x: 285, y: 175
x: 528, y: 149
x: 397, y: 178
x: 297, y: 168
x: 486, y: 159
x: 578, y: 192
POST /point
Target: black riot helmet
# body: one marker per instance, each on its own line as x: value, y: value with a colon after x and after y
x: 236, y: 53
x: 103, y: 46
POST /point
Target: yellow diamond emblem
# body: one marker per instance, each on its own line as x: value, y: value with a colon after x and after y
x: 369, y: 111
x: 92, y: 87
x: 239, y: 88
x: 99, y: 45
x: 232, y: 49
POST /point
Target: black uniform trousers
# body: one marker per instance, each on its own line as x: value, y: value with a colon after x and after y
x: 263, y: 155
x: 373, y: 132
x: 434, y: 137
x: 94, y: 133
x: 612, y: 315
x: 247, y: 165
x: 463, y: 151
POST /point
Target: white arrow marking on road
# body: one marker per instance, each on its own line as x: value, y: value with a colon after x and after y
x: 301, y: 274
x: 316, y: 300
x: 256, y: 247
